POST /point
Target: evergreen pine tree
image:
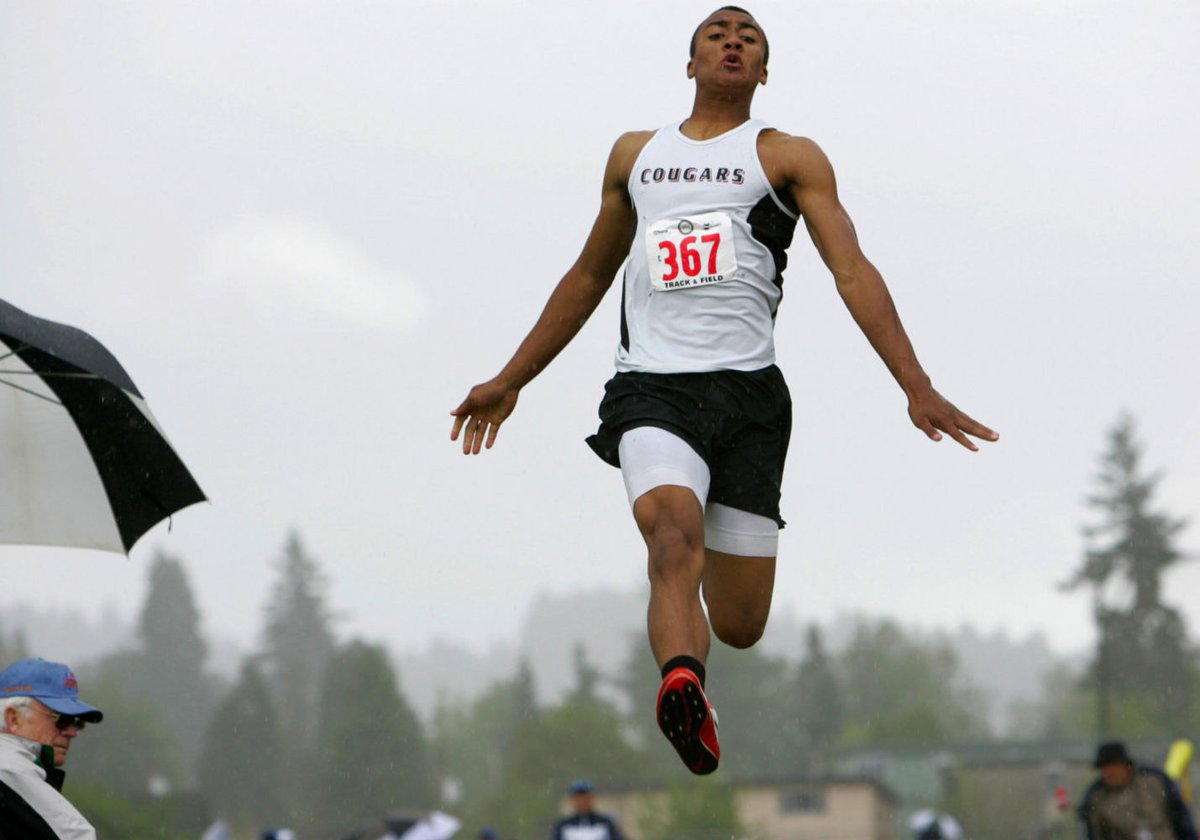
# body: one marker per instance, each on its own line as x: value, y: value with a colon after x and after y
x: 170, y: 676
x: 298, y: 645
x: 298, y: 641
x: 372, y: 758
x: 239, y: 764
x: 1142, y: 661
x: 819, y: 701
x: 523, y: 705
x: 587, y: 677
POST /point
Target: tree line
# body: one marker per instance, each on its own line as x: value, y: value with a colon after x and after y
x: 316, y: 733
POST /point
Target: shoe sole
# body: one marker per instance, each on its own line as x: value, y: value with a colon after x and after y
x: 682, y: 713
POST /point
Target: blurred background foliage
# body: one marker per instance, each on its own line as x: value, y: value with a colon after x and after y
x: 318, y: 733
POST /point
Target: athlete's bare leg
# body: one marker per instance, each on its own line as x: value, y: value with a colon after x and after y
x: 738, y: 593
x: 672, y: 524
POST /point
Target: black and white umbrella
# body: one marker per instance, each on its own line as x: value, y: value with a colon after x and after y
x: 83, y: 462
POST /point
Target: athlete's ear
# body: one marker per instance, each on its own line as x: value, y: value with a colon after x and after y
x: 691, y: 68
x: 762, y: 80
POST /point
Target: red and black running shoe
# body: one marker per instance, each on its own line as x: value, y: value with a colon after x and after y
x: 689, y: 721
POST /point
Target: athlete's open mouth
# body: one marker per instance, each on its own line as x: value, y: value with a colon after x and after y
x: 732, y: 60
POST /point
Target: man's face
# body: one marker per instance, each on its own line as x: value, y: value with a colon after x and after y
x: 730, y: 50
x: 581, y: 802
x: 41, y: 725
x: 1115, y: 774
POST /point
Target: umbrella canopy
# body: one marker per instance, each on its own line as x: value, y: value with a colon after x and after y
x: 83, y: 462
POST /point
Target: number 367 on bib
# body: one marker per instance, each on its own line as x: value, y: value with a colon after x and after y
x: 689, y: 252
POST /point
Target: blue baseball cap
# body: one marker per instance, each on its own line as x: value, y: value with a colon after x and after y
x: 580, y: 786
x: 50, y: 682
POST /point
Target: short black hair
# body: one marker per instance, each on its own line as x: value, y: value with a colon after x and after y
x: 766, y: 44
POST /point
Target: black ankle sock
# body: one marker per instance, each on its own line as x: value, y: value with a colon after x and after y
x: 690, y: 662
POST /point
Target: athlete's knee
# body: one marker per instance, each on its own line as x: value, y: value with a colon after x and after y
x: 738, y: 631
x: 672, y: 525
x: 674, y: 545
x: 674, y: 550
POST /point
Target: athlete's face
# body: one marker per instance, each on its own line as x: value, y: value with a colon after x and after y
x: 730, y: 50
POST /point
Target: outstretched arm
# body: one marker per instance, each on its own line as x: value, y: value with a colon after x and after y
x: 573, y: 300
x: 814, y: 190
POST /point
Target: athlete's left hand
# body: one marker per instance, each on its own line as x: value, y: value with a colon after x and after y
x: 934, y: 414
x: 479, y: 416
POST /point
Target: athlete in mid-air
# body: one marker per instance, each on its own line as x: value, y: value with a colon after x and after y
x: 698, y: 416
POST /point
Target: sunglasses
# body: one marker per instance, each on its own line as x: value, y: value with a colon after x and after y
x: 63, y: 722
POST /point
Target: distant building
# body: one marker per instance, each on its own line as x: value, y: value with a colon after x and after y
x: 997, y: 790
x: 854, y: 809
x: 810, y: 809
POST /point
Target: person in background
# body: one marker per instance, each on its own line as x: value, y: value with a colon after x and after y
x: 584, y: 823
x: 1132, y: 802
x: 40, y: 717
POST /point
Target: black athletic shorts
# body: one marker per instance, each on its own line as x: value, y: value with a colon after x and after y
x: 739, y: 422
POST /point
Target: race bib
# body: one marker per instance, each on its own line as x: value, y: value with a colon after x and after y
x: 689, y: 252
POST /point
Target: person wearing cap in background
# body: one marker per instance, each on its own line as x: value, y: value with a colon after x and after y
x: 1132, y: 802
x: 584, y: 823
x: 40, y: 716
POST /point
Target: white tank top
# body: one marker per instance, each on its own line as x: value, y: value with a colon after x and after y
x: 705, y: 274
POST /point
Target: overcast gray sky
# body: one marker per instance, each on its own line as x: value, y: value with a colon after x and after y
x: 306, y: 228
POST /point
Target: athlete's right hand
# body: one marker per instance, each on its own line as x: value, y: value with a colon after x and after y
x: 481, y: 413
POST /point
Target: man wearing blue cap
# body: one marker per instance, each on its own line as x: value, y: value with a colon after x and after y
x: 41, y: 716
x: 585, y: 823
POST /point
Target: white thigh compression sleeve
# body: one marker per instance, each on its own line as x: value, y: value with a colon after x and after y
x: 739, y: 532
x: 653, y: 457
